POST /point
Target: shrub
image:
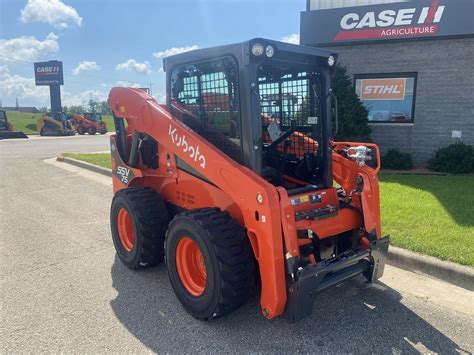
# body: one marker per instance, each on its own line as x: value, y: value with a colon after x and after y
x: 396, y: 160
x: 353, y: 121
x: 457, y: 158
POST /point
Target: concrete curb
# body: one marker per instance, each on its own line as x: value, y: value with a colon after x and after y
x: 456, y: 274
x: 459, y: 275
x: 85, y: 165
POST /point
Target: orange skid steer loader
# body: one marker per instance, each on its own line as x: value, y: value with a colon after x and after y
x: 89, y: 122
x: 232, y: 182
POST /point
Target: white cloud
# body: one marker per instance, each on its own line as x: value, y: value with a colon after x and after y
x: 161, y: 98
x: 133, y: 65
x: 28, y: 48
x: 83, y: 97
x: 128, y: 84
x: 293, y: 39
x: 85, y: 66
x: 54, y: 12
x: 173, y: 51
x: 16, y: 86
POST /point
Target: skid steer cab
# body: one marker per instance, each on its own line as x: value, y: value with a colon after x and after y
x: 236, y: 181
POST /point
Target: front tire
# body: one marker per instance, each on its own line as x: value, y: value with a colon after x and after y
x: 139, y: 219
x: 209, y: 261
x: 91, y: 130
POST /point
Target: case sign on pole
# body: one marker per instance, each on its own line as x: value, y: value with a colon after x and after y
x: 49, y: 73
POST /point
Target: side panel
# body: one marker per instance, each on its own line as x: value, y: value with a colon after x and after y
x: 143, y: 114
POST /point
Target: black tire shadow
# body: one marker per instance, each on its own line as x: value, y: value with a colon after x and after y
x: 352, y: 317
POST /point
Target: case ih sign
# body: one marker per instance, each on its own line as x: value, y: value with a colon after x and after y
x: 410, y: 19
x: 49, y: 73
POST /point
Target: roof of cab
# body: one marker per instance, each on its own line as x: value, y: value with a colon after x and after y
x: 241, y: 50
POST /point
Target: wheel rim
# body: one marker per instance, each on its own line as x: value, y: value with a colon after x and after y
x: 190, y: 266
x: 125, y: 229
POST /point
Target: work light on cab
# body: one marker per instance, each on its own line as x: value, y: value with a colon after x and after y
x: 269, y: 51
x: 331, y: 60
x: 257, y: 49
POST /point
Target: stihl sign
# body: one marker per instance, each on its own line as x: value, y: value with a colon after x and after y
x: 49, y: 73
x: 407, y: 19
x: 391, y: 23
x: 382, y: 89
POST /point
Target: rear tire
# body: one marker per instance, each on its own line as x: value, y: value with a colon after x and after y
x: 91, y: 130
x: 225, y: 255
x: 139, y: 219
x: 81, y: 130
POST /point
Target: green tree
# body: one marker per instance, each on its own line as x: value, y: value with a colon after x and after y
x: 104, y: 108
x: 75, y: 110
x: 353, y: 121
x: 93, y: 105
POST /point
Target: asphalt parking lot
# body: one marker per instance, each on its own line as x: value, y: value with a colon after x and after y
x: 63, y: 289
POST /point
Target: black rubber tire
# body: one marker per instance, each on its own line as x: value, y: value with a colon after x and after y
x: 91, y: 130
x: 150, y: 220
x: 227, y: 256
x: 81, y: 130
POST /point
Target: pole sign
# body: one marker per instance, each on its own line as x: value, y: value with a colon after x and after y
x: 401, y: 20
x: 49, y: 73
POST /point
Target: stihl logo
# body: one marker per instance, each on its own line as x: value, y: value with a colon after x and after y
x: 383, y: 89
x: 180, y: 141
x: 388, y: 23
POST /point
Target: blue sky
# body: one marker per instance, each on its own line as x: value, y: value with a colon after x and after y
x: 108, y: 43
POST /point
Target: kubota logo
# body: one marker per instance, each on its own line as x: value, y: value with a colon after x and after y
x: 180, y: 141
x: 390, y: 23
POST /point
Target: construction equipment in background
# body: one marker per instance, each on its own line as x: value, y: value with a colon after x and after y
x: 89, y: 122
x: 55, y: 124
x: 6, y: 128
x: 234, y: 180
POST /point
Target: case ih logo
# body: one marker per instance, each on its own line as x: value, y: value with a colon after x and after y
x: 48, y: 70
x: 387, y: 24
x: 382, y: 89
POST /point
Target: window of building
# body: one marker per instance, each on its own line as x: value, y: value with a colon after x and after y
x: 204, y: 96
x: 390, y: 98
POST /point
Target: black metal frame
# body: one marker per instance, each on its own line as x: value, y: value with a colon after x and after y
x: 312, y: 279
x: 251, y: 128
x: 413, y: 75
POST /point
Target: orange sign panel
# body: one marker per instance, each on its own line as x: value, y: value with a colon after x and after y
x: 382, y: 89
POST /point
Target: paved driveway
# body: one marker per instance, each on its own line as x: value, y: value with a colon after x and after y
x: 63, y: 289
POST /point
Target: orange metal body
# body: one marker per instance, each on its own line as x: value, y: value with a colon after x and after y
x: 270, y: 223
x: 79, y: 120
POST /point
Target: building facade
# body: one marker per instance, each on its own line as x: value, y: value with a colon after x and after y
x: 412, y: 63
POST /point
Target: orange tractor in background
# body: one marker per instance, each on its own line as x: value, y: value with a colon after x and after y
x: 237, y: 181
x: 89, y: 122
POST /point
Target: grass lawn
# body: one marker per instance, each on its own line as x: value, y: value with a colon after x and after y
x: 432, y: 215
x: 429, y: 214
x: 23, y: 121
x: 101, y: 159
x: 26, y: 122
x: 109, y: 120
